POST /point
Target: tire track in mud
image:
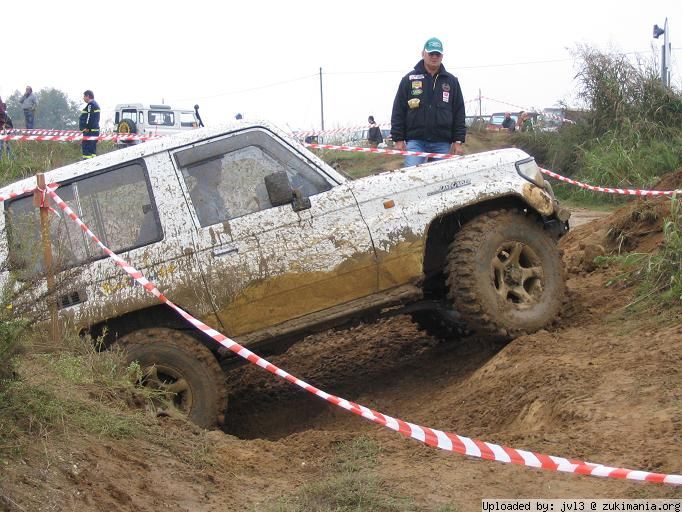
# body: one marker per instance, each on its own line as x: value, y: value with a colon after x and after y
x: 384, y: 360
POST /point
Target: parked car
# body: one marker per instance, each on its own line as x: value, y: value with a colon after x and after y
x: 251, y: 233
x: 136, y: 118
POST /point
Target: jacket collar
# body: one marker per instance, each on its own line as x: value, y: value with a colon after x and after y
x: 421, y: 69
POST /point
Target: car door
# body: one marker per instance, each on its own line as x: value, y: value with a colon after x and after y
x: 265, y: 265
x: 136, y: 211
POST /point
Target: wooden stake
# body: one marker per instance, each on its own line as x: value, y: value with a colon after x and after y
x: 40, y: 201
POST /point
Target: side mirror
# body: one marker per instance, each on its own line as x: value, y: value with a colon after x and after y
x: 281, y: 192
x: 279, y: 189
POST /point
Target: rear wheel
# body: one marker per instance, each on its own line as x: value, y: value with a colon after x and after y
x: 505, y: 275
x: 183, y: 369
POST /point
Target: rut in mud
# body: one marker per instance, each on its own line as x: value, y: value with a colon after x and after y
x: 380, y: 358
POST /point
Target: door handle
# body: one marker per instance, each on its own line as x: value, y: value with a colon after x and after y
x: 225, y: 249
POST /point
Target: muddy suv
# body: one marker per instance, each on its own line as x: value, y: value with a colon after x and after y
x: 253, y: 234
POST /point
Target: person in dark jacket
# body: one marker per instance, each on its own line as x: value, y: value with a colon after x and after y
x: 428, y: 110
x: 508, y: 122
x: 374, y: 135
x: 5, y: 124
x: 88, y: 123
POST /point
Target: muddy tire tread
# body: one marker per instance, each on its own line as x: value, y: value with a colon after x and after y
x: 461, y: 271
x: 190, y: 346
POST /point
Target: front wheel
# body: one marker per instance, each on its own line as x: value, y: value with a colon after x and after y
x: 505, y: 275
x: 183, y: 369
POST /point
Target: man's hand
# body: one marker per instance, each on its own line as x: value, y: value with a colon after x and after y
x: 456, y: 148
x: 400, y: 145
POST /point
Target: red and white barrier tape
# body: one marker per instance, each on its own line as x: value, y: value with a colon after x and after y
x: 77, y: 136
x: 431, y: 437
x: 41, y: 131
x: 622, y: 191
x: 382, y: 151
x: 336, y: 131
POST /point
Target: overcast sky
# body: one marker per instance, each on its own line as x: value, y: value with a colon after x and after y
x: 263, y: 58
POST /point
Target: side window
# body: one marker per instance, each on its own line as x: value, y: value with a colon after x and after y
x: 226, y: 178
x: 161, y: 118
x: 116, y: 205
x: 187, y: 120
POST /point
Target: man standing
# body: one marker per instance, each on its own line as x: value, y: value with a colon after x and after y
x: 29, y: 102
x: 428, y: 110
x: 508, y: 122
x: 88, y: 123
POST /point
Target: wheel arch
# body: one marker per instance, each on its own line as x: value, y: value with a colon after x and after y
x: 158, y: 315
x: 443, y: 228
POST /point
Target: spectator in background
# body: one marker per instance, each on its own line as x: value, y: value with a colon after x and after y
x: 374, y: 136
x: 5, y: 124
x: 88, y: 124
x: 239, y: 117
x: 29, y: 102
x: 508, y: 122
x: 428, y: 109
x: 525, y: 122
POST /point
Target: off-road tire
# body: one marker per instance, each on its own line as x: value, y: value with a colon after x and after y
x: 169, y: 357
x: 126, y: 126
x: 505, y: 275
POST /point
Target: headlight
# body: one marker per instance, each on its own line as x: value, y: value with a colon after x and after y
x: 529, y: 170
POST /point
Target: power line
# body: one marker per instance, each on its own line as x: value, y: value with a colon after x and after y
x: 242, y: 91
x: 483, y: 66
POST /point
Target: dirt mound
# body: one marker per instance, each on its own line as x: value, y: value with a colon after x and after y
x: 602, y: 386
x: 635, y: 227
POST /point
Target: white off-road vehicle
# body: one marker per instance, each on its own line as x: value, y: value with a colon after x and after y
x: 136, y: 118
x: 250, y: 232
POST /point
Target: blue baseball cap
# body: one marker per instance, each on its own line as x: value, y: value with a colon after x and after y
x: 433, y: 45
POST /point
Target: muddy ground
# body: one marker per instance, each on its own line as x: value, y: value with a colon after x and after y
x: 604, y: 385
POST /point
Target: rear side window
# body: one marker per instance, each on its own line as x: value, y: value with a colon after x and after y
x: 187, y: 120
x: 116, y: 205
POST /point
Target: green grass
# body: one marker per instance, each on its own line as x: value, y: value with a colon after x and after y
x: 350, y: 484
x: 68, y: 389
x: 31, y: 157
x: 658, y: 276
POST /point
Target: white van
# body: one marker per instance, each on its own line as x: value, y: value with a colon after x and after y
x: 137, y: 118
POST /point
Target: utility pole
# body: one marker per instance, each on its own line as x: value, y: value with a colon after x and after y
x: 321, y: 101
x: 665, y: 51
x: 480, y: 105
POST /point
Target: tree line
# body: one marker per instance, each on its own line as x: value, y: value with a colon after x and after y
x: 54, y: 111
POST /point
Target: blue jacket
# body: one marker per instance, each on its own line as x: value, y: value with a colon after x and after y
x: 88, y: 122
x: 429, y: 108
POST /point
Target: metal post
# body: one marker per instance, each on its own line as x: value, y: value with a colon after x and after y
x: 321, y: 101
x: 480, y: 105
x: 666, y: 55
x: 39, y: 202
